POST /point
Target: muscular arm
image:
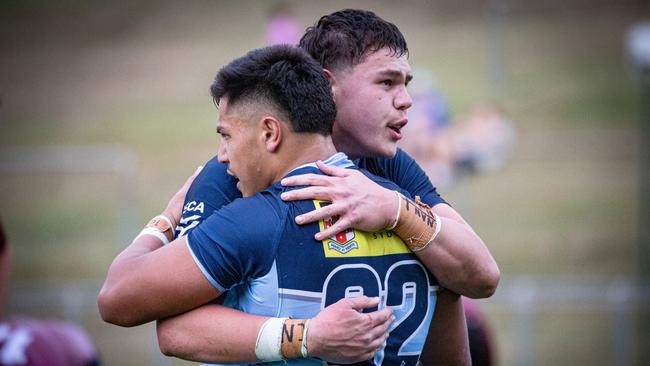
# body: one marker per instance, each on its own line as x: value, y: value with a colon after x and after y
x: 148, y: 281
x: 210, y: 333
x: 461, y: 260
x: 458, y: 257
x: 218, y: 334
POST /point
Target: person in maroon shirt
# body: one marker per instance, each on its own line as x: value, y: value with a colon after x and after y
x: 32, y: 342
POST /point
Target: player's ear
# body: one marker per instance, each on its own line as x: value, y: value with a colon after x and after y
x: 271, y: 133
x: 331, y: 78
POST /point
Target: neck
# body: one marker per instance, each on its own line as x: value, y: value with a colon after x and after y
x: 303, y: 148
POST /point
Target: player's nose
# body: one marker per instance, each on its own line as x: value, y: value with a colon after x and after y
x: 222, y: 154
x: 403, y: 99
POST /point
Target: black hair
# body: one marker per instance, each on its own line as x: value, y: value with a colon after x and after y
x: 344, y: 38
x: 287, y: 78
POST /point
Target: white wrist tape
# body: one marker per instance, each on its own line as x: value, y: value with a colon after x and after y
x: 269, y: 340
x: 399, y: 209
x: 438, y: 227
x: 303, y: 346
x: 435, y: 233
x: 155, y: 232
x: 168, y: 220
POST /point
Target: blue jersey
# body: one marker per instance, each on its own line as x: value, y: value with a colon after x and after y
x: 213, y: 188
x: 278, y: 269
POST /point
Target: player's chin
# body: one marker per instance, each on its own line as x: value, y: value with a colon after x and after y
x: 386, y: 149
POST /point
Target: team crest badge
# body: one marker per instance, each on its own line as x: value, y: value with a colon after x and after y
x: 358, y: 243
x: 342, y: 242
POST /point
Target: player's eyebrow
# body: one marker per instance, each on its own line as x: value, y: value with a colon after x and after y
x: 392, y: 73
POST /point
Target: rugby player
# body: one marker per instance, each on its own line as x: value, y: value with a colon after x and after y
x: 276, y: 116
x: 364, y: 58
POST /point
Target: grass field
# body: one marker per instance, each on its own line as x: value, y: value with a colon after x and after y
x: 137, y: 75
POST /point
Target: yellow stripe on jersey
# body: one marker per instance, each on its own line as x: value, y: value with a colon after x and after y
x: 357, y: 243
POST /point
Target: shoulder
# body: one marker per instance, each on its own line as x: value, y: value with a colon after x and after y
x: 214, y: 178
x: 239, y: 241
x: 383, y: 166
x: 383, y: 181
x: 212, y: 189
x: 248, y: 218
x: 405, y: 172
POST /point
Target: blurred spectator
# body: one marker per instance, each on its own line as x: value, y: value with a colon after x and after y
x: 479, y: 142
x: 31, y: 342
x: 483, y: 140
x: 282, y: 27
x: 427, y: 136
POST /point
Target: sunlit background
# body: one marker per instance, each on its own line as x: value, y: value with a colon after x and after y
x: 105, y: 110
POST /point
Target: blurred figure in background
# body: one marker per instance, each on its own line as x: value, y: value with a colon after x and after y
x: 31, y: 342
x: 428, y: 137
x: 481, y: 141
x: 282, y: 27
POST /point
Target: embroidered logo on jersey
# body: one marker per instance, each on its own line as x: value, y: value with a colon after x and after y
x: 356, y: 243
x: 342, y: 242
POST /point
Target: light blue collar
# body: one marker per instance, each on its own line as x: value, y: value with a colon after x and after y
x: 339, y: 160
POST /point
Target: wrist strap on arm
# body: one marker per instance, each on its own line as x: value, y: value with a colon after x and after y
x: 161, y: 226
x: 416, y: 223
x: 282, y: 339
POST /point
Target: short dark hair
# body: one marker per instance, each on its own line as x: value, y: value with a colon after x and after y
x: 342, y: 39
x: 287, y: 78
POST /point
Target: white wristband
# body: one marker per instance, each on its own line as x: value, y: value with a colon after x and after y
x: 269, y: 339
x: 303, y: 346
x: 169, y: 221
x: 155, y: 232
x: 399, y: 209
x: 435, y: 233
x: 438, y: 227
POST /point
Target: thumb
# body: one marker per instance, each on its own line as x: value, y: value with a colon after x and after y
x: 363, y: 302
x: 331, y: 169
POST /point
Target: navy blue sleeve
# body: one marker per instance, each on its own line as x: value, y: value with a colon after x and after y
x: 404, y: 171
x: 239, y: 241
x: 212, y: 189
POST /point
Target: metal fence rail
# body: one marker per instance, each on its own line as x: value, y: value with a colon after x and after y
x: 81, y: 159
x: 523, y: 298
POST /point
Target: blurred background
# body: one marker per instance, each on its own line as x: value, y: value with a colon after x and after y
x: 105, y: 110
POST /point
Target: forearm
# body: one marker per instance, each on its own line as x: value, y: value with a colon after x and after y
x: 459, y: 259
x: 447, y: 246
x: 340, y: 333
x: 211, y: 333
